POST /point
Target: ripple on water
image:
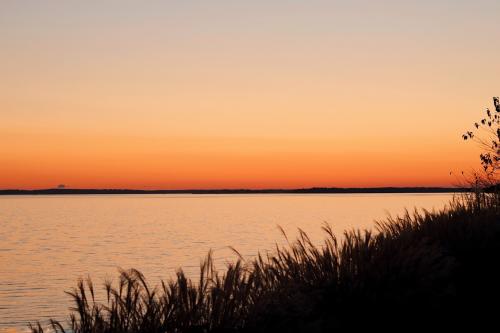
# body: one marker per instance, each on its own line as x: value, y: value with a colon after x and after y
x: 48, y: 242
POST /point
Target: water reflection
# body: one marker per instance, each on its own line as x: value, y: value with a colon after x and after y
x: 48, y: 242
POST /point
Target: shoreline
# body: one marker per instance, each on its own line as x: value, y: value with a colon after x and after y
x: 314, y: 190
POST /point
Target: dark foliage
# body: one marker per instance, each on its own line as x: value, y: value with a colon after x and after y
x: 421, y: 271
x: 486, y: 133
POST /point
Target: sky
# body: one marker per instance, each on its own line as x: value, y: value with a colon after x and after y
x: 243, y: 94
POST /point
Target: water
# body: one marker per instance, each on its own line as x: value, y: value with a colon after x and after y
x: 48, y: 242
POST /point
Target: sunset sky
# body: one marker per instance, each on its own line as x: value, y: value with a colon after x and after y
x: 233, y: 94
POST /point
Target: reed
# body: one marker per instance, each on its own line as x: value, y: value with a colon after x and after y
x: 419, y: 270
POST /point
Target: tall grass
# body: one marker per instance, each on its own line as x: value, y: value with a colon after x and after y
x: 413, y: 271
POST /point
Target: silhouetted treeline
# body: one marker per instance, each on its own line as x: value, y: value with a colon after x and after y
x: 244, y: 191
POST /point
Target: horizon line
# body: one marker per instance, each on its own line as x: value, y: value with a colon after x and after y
x: 378, y: 189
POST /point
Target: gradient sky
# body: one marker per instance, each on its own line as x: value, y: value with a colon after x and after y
x: 231, y: 94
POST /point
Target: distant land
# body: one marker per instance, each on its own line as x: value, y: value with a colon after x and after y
x: 312, y: 190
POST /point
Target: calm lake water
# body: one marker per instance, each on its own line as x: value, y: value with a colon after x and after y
x: 48, y: 242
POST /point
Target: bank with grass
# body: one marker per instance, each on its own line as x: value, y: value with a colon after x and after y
x: 419, y: 271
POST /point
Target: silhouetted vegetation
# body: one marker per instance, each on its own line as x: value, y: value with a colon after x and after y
x: 486, y: 134
x: 69, y: 191
x: 421, y: 270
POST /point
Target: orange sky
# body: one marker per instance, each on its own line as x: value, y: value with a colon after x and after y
x: 227, y: 95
